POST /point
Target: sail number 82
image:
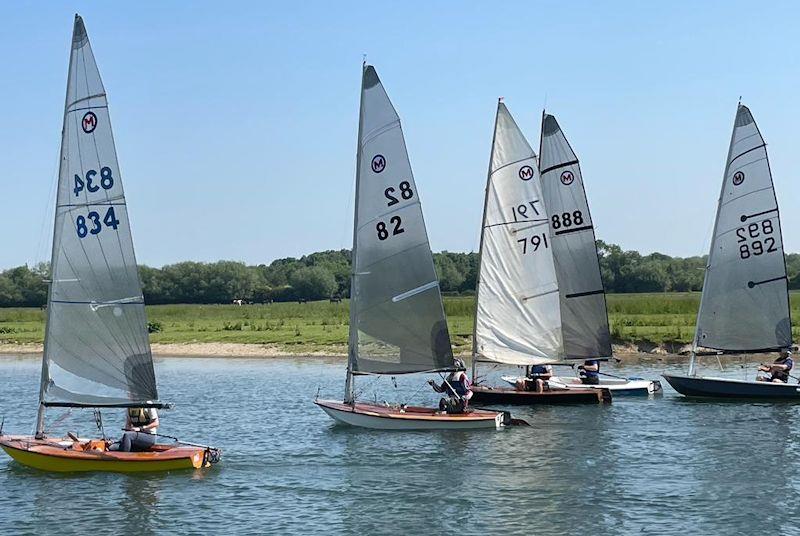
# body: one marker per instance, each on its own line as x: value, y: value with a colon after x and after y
x: 749, y: 243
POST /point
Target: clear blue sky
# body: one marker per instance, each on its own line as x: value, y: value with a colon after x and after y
x: 236, y: 122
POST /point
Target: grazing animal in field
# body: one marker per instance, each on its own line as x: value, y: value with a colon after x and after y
x: 302, y: 300
x: 238, y: 302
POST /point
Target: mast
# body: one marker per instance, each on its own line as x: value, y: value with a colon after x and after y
x: 480, y: 247
x: 349, y: 388
x: 45, y: 371
x: 693, y: 358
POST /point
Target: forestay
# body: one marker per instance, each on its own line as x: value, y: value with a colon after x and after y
x: 96, y: 346
x: 518, y: 317
x: 583, y: 304
x: 745, y: 301
x: 398, y: 314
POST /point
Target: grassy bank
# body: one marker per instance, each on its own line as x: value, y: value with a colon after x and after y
x: 322, y: 326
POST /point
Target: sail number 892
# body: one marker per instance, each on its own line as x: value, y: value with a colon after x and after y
x: 749, y: 243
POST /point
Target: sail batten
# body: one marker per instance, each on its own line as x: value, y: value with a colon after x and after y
x: 582, y: 298
x: 97, y: 350
x: 517, y: 318
x: 397, y: 317
x: 745, y: 301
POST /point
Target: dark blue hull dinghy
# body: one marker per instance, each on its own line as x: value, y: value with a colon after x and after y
x: 697, y: 386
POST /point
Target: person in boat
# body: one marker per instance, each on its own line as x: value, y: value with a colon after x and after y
x: 535, y: 378
x: 589, y: 372
x: 140, y: 426
x: 457, y: 387
x: 779, y: 369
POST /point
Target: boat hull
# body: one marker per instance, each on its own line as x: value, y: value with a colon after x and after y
x: 380, y: 417
x: 482, y: 394
x: 696, y: 386
x: 60, y: 455
x: 618, y: 387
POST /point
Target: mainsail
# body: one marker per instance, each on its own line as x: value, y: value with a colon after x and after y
x: 583, y: 303
x: 518, y: 318
x: 397, y: 318
x: 745, y: 301
x: 96, y: 345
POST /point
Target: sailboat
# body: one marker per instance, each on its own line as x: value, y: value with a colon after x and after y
x: 584, y: 317
x: 397, y: 322
x: 96, y: 349
x: 744, y: 307
x: 518, y: 316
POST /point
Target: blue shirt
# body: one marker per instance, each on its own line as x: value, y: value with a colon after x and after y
x: 591, y: 373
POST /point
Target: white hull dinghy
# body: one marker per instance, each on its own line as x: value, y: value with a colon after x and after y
x: 397, y: 322
x: 744, y: 307
x: 617, y: 386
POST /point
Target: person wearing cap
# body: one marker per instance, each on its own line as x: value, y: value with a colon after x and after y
x: 590, y: 372
x: 458, y: 389
x: 779, y: 369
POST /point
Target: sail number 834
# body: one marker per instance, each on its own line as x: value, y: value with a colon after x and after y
x: 753, y: 239
x: 106, y: 181
x: 92, y: 224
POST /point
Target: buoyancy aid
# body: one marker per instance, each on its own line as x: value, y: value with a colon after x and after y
x: 142, y: 416
x: 459, y: 383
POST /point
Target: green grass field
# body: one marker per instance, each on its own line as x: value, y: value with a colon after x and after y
x: 322, y: 326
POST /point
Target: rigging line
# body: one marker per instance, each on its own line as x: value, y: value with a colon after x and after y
x: 573, y: 230
x: 526, y: 298
x: 558, y: 166
x: 747, y: 151
x: 512, y: 163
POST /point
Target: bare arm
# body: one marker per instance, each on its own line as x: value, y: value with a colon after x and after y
x: 150, y: 426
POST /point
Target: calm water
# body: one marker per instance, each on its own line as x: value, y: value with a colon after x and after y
x: 638, y: 466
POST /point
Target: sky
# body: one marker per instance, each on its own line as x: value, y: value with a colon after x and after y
x: 236, y: 123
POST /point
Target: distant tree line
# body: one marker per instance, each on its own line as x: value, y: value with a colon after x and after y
x: 326, y: 275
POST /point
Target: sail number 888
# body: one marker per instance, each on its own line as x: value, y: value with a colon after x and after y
x: 567, y: 219
x: 752, y: 241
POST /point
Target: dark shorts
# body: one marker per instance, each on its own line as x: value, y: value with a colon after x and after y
x: 590, y: 380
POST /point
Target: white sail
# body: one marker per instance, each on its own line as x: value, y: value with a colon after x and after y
x: 583, y: 302
x: 397, y: 322
x: 745, y: 301
x: 96, y: 343
x: 518, y: 319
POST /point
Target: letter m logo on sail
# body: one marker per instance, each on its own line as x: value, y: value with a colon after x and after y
x: 89, y: 122
x: 526, y: 173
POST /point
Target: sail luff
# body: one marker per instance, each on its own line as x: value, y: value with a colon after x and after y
x: 352, y: 346
x: 583, y: 309
x: 480, y: 246
x: 745, y: 304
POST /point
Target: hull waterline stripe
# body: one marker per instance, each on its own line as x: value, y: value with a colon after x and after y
x: 558, y: 166
x: 581, y: 294
x: 414, y: 292
x: 575, y: 230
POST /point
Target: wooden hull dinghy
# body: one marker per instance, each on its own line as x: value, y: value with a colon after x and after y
x: 68, y: 456
x: 483, y: 394
x: 710, y: 387
x: 384, y: 417
x: 617, y: 387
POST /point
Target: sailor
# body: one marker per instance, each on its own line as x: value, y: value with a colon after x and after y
x: 458, y: 389
x: 589, y: 372
x: 537, y: 376
x: 779, y: 369
x: 141, y: 425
